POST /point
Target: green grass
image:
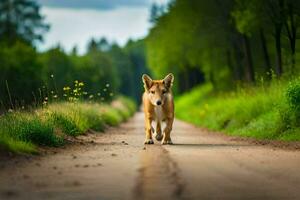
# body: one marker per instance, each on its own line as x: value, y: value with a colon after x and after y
x: 23, y: 132
x: 262, y: 112
x: 17, y: 146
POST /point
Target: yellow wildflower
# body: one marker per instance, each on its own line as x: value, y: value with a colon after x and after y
x: 66, y: 88
x: 81, y: 84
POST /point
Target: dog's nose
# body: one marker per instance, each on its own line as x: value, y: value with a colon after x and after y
x: 158, y: 103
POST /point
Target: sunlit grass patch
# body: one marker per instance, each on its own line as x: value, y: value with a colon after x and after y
x: 28, y: 127
x: 266, y: 126
x: 292, y: 134
x: 93, y: 114
x: 69, y: 117
x: 263, y: 112
x: 47, y: 126
x: 9, y: 144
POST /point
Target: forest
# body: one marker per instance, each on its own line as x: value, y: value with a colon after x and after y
x: 29, y: 76
x: 226, y: 43
x: 235, y: 62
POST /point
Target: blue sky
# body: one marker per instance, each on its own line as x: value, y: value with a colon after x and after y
x: 94, y: 4
x: 74, y: 22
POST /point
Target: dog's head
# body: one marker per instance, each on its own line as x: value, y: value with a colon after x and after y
x: 158, y: 90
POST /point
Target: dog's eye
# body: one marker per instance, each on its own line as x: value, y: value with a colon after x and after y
x: 152, y: 92
x: 164, y: 91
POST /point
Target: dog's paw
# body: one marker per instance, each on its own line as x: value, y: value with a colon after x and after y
x: 148, y: 141
x: 166, y: 141
x: 159, y: 137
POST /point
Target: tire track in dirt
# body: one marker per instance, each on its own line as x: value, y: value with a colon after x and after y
x: 158, y: 176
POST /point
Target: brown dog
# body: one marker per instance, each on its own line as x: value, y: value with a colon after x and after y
x: 158, y: 106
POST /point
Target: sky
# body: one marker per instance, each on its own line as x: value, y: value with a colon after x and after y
x: 74, y: 22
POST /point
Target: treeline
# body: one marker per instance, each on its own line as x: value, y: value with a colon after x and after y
x: 29, y: 77
x: 106, y: 68
x: 224, y: 42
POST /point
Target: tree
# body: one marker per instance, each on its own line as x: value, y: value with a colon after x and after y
x: 22, y: 75
x: 155, y: 12
x: 191, y: 37
x: 276, y: 14
x: 74, y: 51
x: 21, y: 20
x: 135, y: 50
x: 92, y: 45
x: 57, y: 64
x: 246, y: 17
x: 291, y: 24
x: 103, y: 44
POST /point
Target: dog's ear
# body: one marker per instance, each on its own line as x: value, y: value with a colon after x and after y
x: 168, y: 80
x: 147, y: 81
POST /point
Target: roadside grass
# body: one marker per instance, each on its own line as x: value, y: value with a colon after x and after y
x: 262, y: 112
x: 23, y: 132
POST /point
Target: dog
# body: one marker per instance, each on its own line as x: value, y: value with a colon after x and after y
x: 158, y: 106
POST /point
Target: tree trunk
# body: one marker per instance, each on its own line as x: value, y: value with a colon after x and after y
x: 265, y: 52
x: 238, y: 70
x: 293, y: 45
x: 293, y: 59
x: 185, y: 81
x: 230, y: 65
x: 248, y: 58
x: 212, y: 78
x: 291, y: 29
x: 278, y: 50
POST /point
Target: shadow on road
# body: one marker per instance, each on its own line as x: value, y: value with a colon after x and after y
x: 211, y: 145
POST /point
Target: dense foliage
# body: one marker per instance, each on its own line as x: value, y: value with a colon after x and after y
x: 33, y: 76
x: 20, y: 20
x: 230, y: 41
x: 30, y: 78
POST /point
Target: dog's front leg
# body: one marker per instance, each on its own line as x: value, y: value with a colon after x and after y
x: 148, y: 130
x: 159, y: 134
x: 167, y: 131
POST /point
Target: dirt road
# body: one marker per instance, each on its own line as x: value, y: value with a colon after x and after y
x: 116, y: 165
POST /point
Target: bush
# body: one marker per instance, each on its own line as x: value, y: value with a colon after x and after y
x: 293, y: 98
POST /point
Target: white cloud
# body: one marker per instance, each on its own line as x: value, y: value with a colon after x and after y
x: 75, y: 27
x: 71, y: 27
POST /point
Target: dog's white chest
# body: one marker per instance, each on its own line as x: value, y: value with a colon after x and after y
x: 158, y: 113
